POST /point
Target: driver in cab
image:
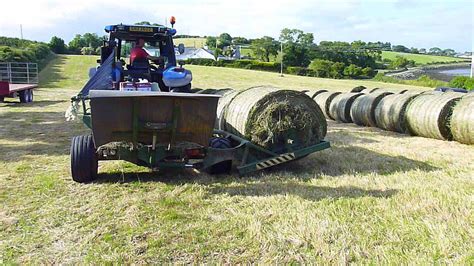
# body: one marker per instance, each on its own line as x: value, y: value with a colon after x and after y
x: 139, y: 54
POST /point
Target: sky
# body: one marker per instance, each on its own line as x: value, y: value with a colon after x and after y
x: 413, y: 23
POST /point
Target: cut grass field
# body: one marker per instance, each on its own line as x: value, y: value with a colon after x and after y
x: 421, y: 59
x: 374, y: 197
x: 191, y: 42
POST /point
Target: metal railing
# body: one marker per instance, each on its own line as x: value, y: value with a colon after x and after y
x: 19, y: 72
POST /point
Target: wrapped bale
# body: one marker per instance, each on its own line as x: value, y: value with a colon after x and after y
x: 207, y: 91
x: 369, y: 90
x: 324, y: 101
x: 195, y: 90
x: 363, y: 108
x: 340, y: 107
x: 314, y: 92
x: 462, y: 120
x: 399, y: 91
x: 358, y: 89
x: 429, y: 115
x: 390, y: 113
x: 272, y: 118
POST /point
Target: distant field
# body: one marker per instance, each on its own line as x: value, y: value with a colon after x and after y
x: 421, y: 59
x: 191, y: 42
x: 375, y: 197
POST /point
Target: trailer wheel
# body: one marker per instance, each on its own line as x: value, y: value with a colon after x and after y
x: 2, y: 98
x: 23, y: 95
x: 30, y: 95
x: 223, y: 167
x: 84, y: 162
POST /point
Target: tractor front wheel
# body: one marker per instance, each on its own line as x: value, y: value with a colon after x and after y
x: 223, y: 167
x: 84, y: 162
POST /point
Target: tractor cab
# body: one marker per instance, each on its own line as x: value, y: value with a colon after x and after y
x: 161, y: 69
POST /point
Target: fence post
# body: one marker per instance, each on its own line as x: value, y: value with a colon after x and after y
x: 9, y: 72
x: 28, y: 73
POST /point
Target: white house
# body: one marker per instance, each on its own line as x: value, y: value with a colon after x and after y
x: 191, y: 52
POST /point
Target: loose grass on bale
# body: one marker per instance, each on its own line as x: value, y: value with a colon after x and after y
x: 272, y: 118
x: 395, y: 91
x: 358, y: 89
x: 314, y: 92
x: 207, y: 91
x: 462, y: 120
x: 340, y: 107
x: 363, y: 108
x: 429, y: 115
x: 390, y: 113
x: 195, y: 90
x: 324, y: 101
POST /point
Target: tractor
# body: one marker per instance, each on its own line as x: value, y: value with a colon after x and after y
x: 168, y: 127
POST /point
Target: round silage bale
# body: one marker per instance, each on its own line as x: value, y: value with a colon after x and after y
x: 462, y: 120
x: 314, y: 92
x: 358, y: 89
x: 429, y: 115
x: 340, y: 107
x: 363, y: 108
x: 390, y: 113
x: 207, y: 91
x: 369, y: 90
x: 272, y: 118
x: 324, y: 101
x: 399, y: 91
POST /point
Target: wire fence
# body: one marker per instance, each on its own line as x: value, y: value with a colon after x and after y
x: 19, y: 72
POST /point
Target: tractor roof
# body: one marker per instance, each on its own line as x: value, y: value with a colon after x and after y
x: 133, y: 32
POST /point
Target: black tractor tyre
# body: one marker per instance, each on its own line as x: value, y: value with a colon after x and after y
x: 23, y: 95
x: 185, y: 89
x: 84, y: 162
x: 30, y: 95
x: 2, y: 99
x: 224, y: 167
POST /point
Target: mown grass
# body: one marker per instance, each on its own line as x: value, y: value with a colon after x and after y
x: 191, y: 42
x: 374, y: 197
x: 421, y: 59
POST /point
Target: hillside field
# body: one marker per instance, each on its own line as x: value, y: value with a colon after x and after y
x: 375, y: 197
x: 421, y: 59
x: 191, y: 42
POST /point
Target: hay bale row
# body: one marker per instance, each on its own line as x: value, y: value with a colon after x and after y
x: 390, y: 113
x: 340, y: 106
x: 314, y: 92
x: 358, y: 89
x: 428, y: 115
x: 324, y: 101
x: 462, y: 120
x: 363, y: 109
x: 272, y: 118
x: 369, y: 90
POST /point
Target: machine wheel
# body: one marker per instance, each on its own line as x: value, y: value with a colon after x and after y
x: 30, y: 96
x: 186, y: 89
x: 84, y: 162
x: 2, y: 98
x: 223, y: 167
x: 23, y: 95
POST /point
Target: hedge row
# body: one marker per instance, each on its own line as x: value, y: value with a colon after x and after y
x: 244, y: 64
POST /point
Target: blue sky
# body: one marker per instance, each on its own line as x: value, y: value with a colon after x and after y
x: 422, y: 24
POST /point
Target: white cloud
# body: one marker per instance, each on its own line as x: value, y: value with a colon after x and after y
x: 423, y: 23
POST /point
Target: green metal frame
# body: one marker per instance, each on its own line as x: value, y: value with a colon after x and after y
x: 249, y: 156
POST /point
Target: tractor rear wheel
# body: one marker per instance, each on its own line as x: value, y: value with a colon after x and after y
x: 23, y: 95
x: 84, y: 162
x: 223, y: 167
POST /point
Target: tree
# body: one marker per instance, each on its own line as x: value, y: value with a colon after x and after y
x: 322, y: 68
x: 337, y: 70
x: 57, y: 45
x: 297, y: 47
x: 92, y: 40
x: 211, y: 42
x: 414, y: 50
x: 400, y: 48
x: 76, y: 44
x: 401, y: 62
x: 449, y: 52
x: 224, y: 40
x: 352, y: 71
x: 264, y: 47
x: 435, y: 51
x: 240, y: 40
x: 217, y: 53
x: 422, y: 51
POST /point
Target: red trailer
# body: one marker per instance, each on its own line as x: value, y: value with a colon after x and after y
x: 18, y: 79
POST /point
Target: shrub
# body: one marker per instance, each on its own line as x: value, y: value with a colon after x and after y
x: 462, y: 82
x: 352, y: 71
